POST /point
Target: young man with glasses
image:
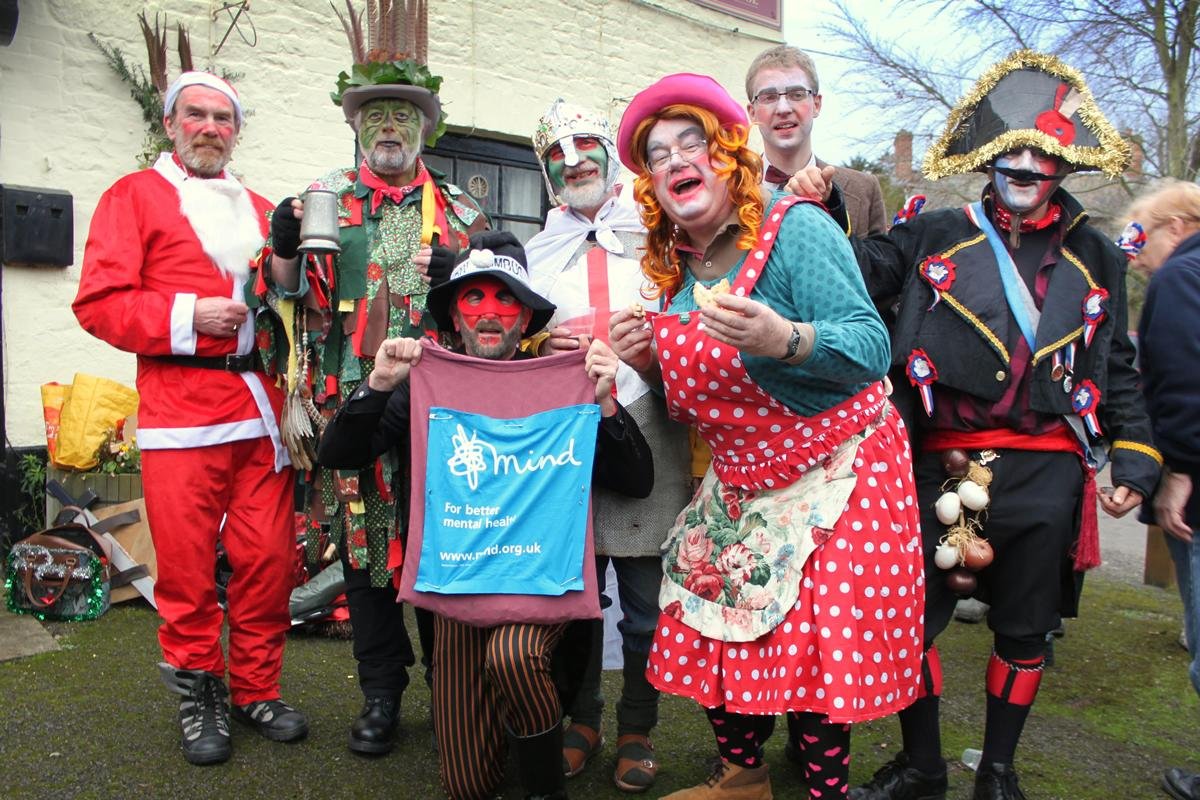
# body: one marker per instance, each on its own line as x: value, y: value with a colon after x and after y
x: 785, y: 98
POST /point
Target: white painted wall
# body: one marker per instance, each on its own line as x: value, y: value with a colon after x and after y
x: 67, y: 121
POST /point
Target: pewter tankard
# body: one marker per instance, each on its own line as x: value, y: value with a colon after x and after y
x: 319, y: 231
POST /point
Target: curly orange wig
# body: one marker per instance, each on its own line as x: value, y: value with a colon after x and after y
x: 731, y: 160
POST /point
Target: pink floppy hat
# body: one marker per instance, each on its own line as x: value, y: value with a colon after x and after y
x: 682, y: 87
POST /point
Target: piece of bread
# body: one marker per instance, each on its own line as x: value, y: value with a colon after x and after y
x: 637, y: 310
x: 706, y: 296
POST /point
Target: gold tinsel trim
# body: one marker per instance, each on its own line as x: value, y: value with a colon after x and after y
x: 1111, y: 157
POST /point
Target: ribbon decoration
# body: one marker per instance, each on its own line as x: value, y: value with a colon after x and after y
x: 1085, y: 402
x: 1132, y: 240
x: 939, y: 273
x: 912, y: 206
x: 1062, y: 364
x: 1093, y: 313
x: 1056, y: 122
x: 922, y: 374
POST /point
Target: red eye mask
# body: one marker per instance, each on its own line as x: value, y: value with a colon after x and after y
x: 481, y: 298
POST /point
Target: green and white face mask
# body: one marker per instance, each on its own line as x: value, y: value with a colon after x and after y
x: 389, y: 135
x: 566, y: 141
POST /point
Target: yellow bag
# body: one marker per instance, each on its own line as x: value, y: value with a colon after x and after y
x: 95, y: 406
x: 54, y: 397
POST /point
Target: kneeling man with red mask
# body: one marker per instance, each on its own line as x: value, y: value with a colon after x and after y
x: 489, y: 682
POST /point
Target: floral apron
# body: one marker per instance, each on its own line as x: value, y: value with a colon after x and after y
x: 733, y: 560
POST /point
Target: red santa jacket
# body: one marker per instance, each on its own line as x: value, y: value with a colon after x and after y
x: 144, y: 267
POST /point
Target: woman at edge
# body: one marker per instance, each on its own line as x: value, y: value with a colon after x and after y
x: 793, y: 580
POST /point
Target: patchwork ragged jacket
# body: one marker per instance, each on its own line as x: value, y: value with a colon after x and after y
x: 345, y: 306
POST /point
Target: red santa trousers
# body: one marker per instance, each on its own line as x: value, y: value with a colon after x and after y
x: 188, y: 491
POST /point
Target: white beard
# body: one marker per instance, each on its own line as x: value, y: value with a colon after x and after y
x: 224, y: 221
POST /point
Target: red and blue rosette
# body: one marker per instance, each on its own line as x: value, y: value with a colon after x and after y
x: 922, y: 374
x: 912, y: 206
x: 1093, y: 313
x: 938, y: 272
x: 1085, y: 401
x: 1132, y: 240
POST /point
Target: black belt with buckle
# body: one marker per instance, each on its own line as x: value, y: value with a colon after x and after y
x: 230, y: 363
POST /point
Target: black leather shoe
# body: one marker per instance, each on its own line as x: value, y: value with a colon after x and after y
x: 274, y: 719
x: 374, y: 732
x: 1181, y: 785
x: 997, y: 782
x: 896, y: 780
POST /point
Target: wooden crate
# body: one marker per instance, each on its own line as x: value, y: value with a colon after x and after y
x: 111, y: 489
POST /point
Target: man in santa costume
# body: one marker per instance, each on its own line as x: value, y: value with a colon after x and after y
x: 167, y: 275
x: 585, y: 261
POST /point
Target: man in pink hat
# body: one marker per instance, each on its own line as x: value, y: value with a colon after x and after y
x: 776, y: 573
x: 168, y: 275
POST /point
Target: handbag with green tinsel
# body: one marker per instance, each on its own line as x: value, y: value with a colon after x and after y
x: 64, y: 572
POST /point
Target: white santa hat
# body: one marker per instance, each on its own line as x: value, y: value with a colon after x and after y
x: 201, y: 79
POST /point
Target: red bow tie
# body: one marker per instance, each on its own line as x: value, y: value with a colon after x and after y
x: 380, y: 190
x: 776, y: 176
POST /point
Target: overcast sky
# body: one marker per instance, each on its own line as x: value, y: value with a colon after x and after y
x: 845, y: 129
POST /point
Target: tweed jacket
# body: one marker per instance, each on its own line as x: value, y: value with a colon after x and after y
x: 863, y: 198
x: 969, y: 334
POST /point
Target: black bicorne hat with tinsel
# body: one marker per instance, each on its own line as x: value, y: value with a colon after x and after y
x: 390, y: 61
x: 1029, y: 99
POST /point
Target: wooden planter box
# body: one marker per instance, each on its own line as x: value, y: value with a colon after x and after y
x: 111, y: 489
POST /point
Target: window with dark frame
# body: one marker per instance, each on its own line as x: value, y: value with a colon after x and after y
x: 504, y: 178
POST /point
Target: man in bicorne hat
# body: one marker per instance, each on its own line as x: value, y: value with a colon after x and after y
x: 1013, y: 334
x: 400, y: 225
x: 587, y: 259
x: 490, y: 681
x: 167, y: 275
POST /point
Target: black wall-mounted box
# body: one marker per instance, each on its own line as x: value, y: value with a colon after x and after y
x: 37, y: 226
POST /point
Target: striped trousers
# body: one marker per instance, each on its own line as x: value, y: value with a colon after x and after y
x: 488, y: 682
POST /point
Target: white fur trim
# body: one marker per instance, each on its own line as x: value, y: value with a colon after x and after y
x: 196, y: 78
x: 183, y: 331
x: 200, y: 435
x: 254, y: 382
x: 221, y: 215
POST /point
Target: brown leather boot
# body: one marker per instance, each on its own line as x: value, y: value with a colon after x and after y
x: 730, y: 782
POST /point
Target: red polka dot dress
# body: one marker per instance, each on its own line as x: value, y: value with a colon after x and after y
x: 794, y: 578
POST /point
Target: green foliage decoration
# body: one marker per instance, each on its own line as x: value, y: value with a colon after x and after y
x: 404, y: 72
x: 143, y: 92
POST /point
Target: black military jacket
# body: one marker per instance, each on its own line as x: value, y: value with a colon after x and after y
x: 970, y: 333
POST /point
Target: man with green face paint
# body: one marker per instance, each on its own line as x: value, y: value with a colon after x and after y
x: 400, y: 224
x: 585, y: 261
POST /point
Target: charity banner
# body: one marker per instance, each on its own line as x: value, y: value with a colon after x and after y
x: 458, y: 386
x: 506, y: 501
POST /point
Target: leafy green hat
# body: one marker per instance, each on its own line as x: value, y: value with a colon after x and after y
x: 390, y: 62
